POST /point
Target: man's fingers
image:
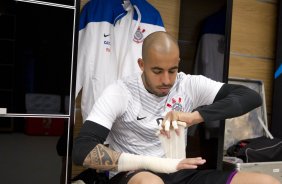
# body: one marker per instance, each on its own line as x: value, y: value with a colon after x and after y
x: 167, y: 125
x: 174, y: 125
x: 177, y: 131
x: 166, y: 128
x: 186, y: 166
x: 164, y: 133
x: 182, y: 123
x: 193, y: 161
x: 190, y: 163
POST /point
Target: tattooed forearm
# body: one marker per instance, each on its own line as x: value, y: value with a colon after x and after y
x: 102, y: 158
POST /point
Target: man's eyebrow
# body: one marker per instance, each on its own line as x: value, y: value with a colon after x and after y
x: 176, y: 67
x: 156, y: 68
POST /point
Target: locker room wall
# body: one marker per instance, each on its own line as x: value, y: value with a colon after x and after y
x: 253, y: 41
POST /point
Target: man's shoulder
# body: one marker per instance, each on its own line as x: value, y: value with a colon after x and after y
x: 181, y: 76
x: 124, y: 85
x: 184, y: 76
x: 116, y: 87
x: 130, y: 79
x: 189, y: 80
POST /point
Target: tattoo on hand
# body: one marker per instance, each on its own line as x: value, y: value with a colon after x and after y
x: 102, y: 158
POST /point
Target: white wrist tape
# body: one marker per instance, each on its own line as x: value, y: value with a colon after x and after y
x: 175, y: 146
x: 130, y: 162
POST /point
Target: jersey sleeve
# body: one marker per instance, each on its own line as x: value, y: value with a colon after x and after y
x: 201, y: 89
x: 110, y: 105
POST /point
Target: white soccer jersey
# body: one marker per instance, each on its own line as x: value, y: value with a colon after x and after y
x: 133, y: 115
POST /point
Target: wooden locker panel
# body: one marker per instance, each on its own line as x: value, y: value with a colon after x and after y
x: 254, y: 68
x: 254, y: 28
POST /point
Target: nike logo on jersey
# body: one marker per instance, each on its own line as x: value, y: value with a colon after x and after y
x: 106, y: 35
x: 140, y: 118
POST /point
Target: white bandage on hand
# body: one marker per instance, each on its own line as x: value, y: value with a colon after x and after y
x: 167, y: 125
x: 174, y: 125
x: 182, y: 123
x: 130, y: 162
x: 175, y: 146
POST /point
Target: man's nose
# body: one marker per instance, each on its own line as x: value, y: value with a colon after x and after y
x: 166, y: 78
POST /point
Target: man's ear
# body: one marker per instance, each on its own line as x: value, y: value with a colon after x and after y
x: 141, y: 64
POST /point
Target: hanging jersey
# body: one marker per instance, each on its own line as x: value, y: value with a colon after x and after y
x: 110, y: 42
x: 134, y: 115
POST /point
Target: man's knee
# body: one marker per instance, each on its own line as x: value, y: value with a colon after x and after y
x: 145, y: 178
x: 270, y: 179
x: 253, y: 177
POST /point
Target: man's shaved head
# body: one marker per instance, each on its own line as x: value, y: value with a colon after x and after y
x: 160, y: 42
x: 159, y: 63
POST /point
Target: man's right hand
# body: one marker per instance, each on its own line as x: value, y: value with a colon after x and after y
x: 190, y: 163
x: 172, y: 118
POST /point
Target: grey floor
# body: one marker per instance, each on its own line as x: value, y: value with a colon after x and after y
x: 29, y: 159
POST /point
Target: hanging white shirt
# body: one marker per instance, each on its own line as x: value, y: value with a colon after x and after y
x: 110, y: 42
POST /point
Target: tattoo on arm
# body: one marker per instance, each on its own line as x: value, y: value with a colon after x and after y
x: 102, y: 158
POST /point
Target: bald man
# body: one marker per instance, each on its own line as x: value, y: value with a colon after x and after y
x: 130, y: 112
